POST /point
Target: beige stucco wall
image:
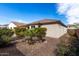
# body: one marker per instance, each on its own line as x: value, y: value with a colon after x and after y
x: 55, y: 30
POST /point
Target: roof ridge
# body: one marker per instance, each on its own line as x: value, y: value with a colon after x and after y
x: 17, y: 22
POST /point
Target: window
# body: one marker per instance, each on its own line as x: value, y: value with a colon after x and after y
x: 28, y: 27
x: 32, y: 26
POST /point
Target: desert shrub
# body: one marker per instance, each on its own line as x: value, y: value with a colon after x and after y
x: 71, y: 32
x: 77, y: 33
x: 5, y: 36
x: 35, y: 32
x: 5, y: 39
x: 76, y: 42
x: 40, y: 32
x: 67, y: 48
x: 62, y: 50
x: 30, y: 33
x: 71, y: 46
x: 20, y: 32
x: 6, y: 31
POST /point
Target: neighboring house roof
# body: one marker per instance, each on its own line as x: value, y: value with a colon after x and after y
x: 46, y: 21
x: 18, y: 23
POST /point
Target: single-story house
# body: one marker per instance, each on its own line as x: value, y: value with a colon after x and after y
x: 14, y: 24
x: 55, y: 28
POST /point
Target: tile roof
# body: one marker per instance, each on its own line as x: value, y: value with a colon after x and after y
x: 44, y: 21
x: 18, y: 23
x: 47, y: 21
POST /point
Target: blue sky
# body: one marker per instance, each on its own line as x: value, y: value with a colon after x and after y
x: 29, y: 12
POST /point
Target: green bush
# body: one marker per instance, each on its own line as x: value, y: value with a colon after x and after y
x: 70, y: 45
x: 66, y: 49
x: 35, y: 32
x: 20, y: 32
x: 5, y: 36
x: 40, y: 32
x: 5, y: 39
x: 6, y: 31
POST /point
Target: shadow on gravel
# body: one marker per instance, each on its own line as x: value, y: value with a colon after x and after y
x: 10, y: 50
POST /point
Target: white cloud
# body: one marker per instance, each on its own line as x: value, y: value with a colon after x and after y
x: 71, y: 12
